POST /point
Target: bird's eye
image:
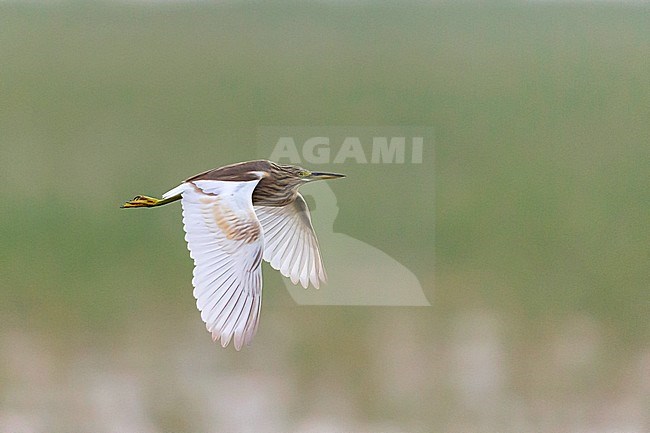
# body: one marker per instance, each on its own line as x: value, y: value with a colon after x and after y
x: 304, y: 173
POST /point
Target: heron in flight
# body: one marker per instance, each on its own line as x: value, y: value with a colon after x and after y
x: 234, y: 217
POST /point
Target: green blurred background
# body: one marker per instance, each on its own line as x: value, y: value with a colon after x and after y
x: 528, y: 230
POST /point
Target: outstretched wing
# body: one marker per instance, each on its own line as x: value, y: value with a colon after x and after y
x: 225, y: 240
x: 290, y: 243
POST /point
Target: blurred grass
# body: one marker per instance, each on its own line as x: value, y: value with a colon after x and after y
x: 537, y: 196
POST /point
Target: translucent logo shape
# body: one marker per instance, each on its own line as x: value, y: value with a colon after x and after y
x: 358, y: 273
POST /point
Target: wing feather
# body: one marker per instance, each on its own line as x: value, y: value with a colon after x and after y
x: 225, y: 240
x: 290, y: 243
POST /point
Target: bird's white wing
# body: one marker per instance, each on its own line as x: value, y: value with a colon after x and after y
x: 290, y: 243
x: 225, y: 240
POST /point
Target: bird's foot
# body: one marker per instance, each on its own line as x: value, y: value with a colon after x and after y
x: 142, y: 201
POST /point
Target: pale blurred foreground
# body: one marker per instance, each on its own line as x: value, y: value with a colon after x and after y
x: 467, y: 378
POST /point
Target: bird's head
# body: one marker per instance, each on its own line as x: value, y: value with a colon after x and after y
x: 279, y: 183
x: 295, y: 176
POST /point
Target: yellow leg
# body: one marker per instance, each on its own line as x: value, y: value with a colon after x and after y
x: 142, y: 201
x: 146, y: 201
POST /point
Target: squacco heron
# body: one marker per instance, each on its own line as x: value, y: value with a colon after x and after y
x: 234, y: 217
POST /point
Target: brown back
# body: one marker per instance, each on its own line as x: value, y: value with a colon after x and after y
x: 240, y: 172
